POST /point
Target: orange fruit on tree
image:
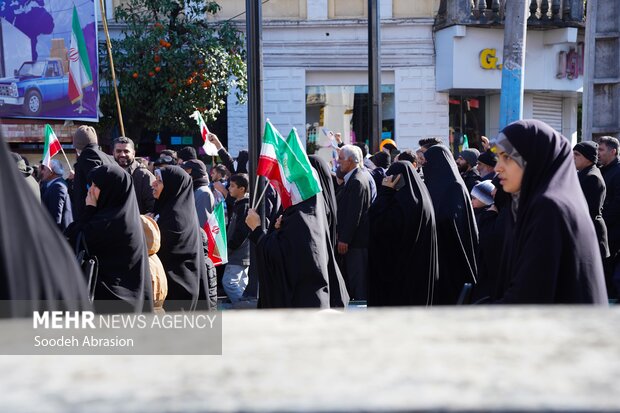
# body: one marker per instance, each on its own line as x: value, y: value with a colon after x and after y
x: 157, y: 69
x: 135, y: 75
x: 151, y: 74
x: 157, y: 58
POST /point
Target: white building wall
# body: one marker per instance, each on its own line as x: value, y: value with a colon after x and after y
x: 237, y: 125
x: 285, y: 99
x: 420, y: 110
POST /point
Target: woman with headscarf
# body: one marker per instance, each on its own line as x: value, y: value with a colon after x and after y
x: 181, y: 249
x: 112, y: 230
x: 402, y: 255
x: 457, y: 234
x: 339, y: 296
x: 38, y: 270
x: 294, y: 260
x: 551, y: 255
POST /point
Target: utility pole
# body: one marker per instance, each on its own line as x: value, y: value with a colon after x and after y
x: 374, y: 76
x: 515, y: 26
x: 253, y: 10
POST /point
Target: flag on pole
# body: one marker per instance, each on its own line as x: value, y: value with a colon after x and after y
x: 285, y: 163
x: 51, y: 147
x: 215, y: 227
x: 207, y: 146
x: 80, y: 75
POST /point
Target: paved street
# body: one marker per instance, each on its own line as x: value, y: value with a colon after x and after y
x: 562, y: 359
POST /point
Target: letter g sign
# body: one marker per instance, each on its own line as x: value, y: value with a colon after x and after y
x: 488, y: 60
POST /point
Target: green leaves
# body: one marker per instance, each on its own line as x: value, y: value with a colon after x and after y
x: 171, y: 59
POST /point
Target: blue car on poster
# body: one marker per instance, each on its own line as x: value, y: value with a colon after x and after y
x: 34, y: 84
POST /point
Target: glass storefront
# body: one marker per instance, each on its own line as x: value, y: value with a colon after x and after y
x: 344, y: 109
x: 467, y: 122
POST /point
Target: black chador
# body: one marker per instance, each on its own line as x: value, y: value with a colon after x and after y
x: 457, y: 234
x: 294, y: 261
x: 181, y: 250
x: 403, y: 242
x: 113, y: 233
x: 36, y: 263
x: 551, y: 253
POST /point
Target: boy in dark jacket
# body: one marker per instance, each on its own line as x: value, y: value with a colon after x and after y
x: 235, y: 277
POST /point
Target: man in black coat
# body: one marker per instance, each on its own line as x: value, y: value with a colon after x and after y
x: 56, y: 198
x: 353, y: 201
x: 608, y: 158
x: 593, y: 187
x: 124, y: 152
x: 89, y: 157
x: 466, y: 163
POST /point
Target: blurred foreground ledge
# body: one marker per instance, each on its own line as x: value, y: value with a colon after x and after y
x: 459, y: 359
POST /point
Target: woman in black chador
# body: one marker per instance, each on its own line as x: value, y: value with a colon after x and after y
x: 295, y: 260
x: 38, y: 270
x: 403, y: 241
x: 181, y: 250
x: 111, y: 227
x: 457, y: 234
x: 551, y: 252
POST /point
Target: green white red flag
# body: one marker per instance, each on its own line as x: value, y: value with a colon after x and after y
x: 207, y: 146
x: 51, y: 146
x: 285, y: 163
x: 215, y: 227
x: 80, y: 75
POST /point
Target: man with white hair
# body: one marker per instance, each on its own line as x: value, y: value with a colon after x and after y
x: 56, y: 196
x: 353, y: 201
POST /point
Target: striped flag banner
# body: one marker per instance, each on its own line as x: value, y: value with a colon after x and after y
x: 51, y: 146
x: 208, y: 147
x: 215, y: 227
x: 80, y: 75
x: 285, y: 163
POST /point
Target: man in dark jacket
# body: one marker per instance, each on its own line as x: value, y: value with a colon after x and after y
x: 56, y: 198
x: 593, y: 187
x: 353, y: 201
x: 608, y: 157
x: 89, y: 157
x: 466, y: 162
x: 125, y: 155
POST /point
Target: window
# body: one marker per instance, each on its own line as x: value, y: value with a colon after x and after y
x: 344, y: 109
x: 466, y: 121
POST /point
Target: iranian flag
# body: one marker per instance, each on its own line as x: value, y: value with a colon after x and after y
x: 215, y: 227
x: 52, y: 146
x: 208, y: 147
x: 80, y: 75
x: 285, y: 163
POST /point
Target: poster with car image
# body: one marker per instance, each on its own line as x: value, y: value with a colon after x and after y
x: 48, y: 59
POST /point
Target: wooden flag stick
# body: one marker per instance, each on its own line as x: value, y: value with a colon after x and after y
x: 66, y: 159
x: 109, y: 44
x: 254, y: 191
x: 261, y: 196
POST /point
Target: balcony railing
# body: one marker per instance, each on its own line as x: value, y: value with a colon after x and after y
x: 542, y: 13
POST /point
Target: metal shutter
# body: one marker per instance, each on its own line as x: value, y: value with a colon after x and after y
x: 549, y: 110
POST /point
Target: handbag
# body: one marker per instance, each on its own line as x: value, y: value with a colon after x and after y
x: 88, y: 263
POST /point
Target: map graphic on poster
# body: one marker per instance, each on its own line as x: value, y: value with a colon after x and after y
x: 48, y: 59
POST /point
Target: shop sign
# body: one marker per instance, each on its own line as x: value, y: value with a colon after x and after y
x: 489, y: 60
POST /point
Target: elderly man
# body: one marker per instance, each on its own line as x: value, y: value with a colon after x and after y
x: 125, y: 155
x: 593, y: 187
x: 353, y: 201
x: 56, y: 195
x: 610, y: 168
x: 89, y: 156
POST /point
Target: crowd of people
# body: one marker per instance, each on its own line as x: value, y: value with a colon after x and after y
x: 523, y: 219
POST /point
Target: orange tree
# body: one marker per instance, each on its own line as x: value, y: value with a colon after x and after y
x: 171, y: 59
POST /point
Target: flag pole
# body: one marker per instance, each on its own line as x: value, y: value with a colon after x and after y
x: 254, y: 189
x: 261, y: 196
x: 66, y: 159
x: 109, y: 44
